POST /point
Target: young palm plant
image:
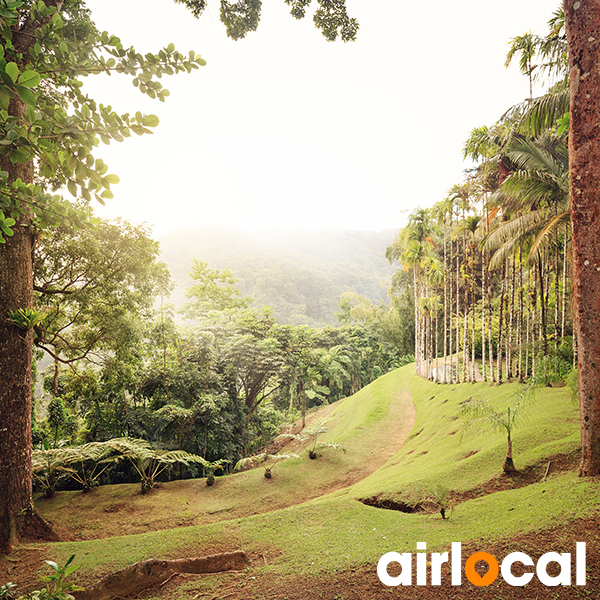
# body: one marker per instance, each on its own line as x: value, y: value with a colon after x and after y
x: 251, y: 461
x: 481, y: 413
x: 309, y: 438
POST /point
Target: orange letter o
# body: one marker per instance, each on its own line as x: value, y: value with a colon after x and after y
x: 472, y: 574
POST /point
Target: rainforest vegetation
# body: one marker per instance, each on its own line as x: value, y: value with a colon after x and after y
x: 481, y: 294
x: 490, y: 263
x: 108, y: 381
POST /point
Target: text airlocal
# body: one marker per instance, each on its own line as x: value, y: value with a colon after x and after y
x: 457, y: 567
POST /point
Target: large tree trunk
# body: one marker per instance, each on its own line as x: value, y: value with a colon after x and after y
x: 583, y: 36
x: 16, y: 291
x: 17, y: 514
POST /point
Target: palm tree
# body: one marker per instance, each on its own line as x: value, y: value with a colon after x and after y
x: 481, y: 413
x: 526, y: 46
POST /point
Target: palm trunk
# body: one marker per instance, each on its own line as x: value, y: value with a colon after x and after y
x: 445, y: 378
x: 500, y: 326
x: 520, y: 319
x: 483, y: 296
x: 450, y: 333
x: 457, y: 317
x: 556, y: 290
x: 511, y: 318
x: 490, y: 334
x: 534, y: 323
x: 509, y: 465
x: 564, y: 287
x: 543, y: 308
x: 466, y: 334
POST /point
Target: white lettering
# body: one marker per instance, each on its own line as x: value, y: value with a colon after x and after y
x: 456, y: 563
x: 437, y: 560
x: 404, y: 560
x: 507, y: 563
x: 564, y: 560
x: 421, y: 564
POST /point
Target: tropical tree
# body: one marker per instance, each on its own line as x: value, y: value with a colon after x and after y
x: 93, y: 286
x: 48, y: 130
x: 243, y: 16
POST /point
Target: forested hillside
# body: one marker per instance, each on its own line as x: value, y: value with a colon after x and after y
x: 299, y: 274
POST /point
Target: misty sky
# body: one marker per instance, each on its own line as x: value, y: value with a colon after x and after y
x: 286, y: 130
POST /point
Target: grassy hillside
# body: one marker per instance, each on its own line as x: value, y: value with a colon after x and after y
x: 304, y: 523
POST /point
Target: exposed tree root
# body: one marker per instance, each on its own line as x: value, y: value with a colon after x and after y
x: 141, y: 575
x: 28, y: 524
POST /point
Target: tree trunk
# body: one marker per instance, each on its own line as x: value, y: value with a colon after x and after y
x: 457, y: 315
x: 583, y: 36
x: 564, y: 288
x: 18, y: 516
x: 511, y: 318
x: 445, y: 378
x: 499, y: 352
x: 520, y: 318
x: 543, y: 307
x: 466, y: 333
x: 509, y: 465
x: 16, y: 291
x: 490, y: 336
x: 483, y: 296
x: 473, y: 378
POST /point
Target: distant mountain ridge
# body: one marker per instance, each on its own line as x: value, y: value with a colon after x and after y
x: 301, y: 274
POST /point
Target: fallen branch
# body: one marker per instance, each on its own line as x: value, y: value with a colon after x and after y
x: 141, y: 575
x: 547, y: 469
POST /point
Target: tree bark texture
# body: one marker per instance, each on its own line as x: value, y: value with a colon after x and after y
x: 16, y: 291
x: 583, y: 37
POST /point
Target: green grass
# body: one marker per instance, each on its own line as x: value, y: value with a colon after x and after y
x: 334, y: 531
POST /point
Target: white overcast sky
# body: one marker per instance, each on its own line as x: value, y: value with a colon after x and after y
x: 286, y: 130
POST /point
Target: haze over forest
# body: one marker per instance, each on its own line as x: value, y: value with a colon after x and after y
x: 299, y: 274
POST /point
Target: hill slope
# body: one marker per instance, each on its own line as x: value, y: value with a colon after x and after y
x: 310, y: 542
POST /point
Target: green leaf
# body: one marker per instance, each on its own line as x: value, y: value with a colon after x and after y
x: 53, y: 565
x: 25, y: 94
x: 29, y: 79
x: 12, y: 71
x: 5, y: 97
x: 112, y: 178
x: 72, y: 187
x: 151, y: 121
